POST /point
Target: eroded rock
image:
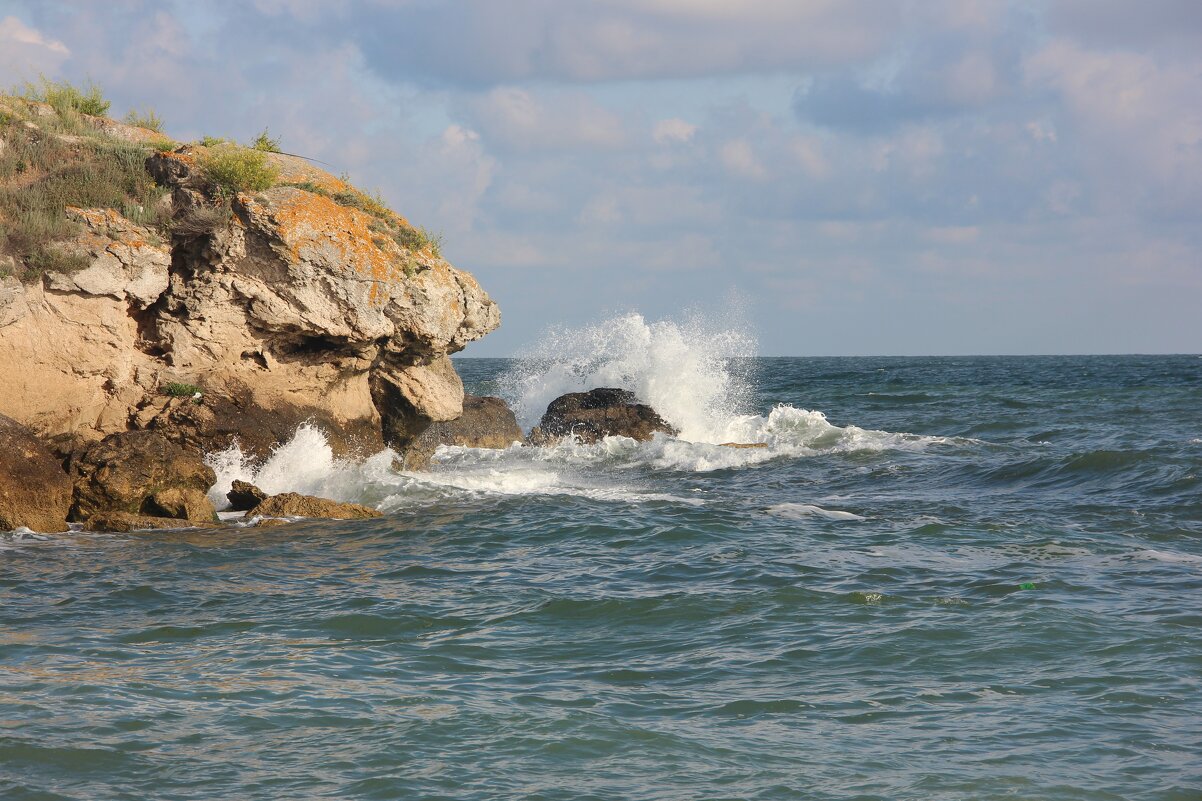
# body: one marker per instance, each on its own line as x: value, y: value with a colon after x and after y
x: 34, y: 490
x: 598, y: 413
x: 182, y: 504
x: 126, y: 472
x: 291, y: 504
x: 244, y: 496
x: 486, y: 422
x: 126, y: 522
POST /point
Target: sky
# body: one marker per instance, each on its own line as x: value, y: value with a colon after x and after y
x: 846, y: 177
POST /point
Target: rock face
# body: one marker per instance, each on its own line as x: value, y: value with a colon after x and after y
x: 34, y: 490
x: 291, y: 504
x: 602, y: 412
x: 486, y: 422
x: 285, y: 306
x: 140, y: 473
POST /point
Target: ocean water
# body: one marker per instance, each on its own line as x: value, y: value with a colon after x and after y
x: 943, y: 578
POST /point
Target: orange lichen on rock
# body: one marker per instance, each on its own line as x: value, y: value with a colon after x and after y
x: 314, y: 228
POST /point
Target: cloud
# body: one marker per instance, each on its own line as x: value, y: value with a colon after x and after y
x: 1003, y: 170
x: 517, y: 119
x: 1135, y: 120
x: 25, y: 52
x: 484, y: 43
x: 672, y: 130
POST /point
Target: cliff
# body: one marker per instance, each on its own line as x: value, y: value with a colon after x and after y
x: 213, y: 292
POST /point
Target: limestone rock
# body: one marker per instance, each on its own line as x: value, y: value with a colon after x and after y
x: 125, y: 522
x: 12, y: 295
x: 125, y: 472
x: 598, y: 413
x: 126, y: 261
x: 34, y: 490
x: 182, y: 504
x: 486, y: 422
x: 244, y: 496
x: 291, y: 504
x: 410, y: 398
x: 73, y: 350
x: 296, y: 304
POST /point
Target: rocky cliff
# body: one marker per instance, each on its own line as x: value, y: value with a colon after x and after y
x: 236, y: 313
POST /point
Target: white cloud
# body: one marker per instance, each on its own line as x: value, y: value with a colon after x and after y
x: 740, y: 160
x: 673, y: 130
x: 25, y: 51
x: 517, y: 119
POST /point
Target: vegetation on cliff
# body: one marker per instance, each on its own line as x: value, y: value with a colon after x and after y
x: 58, y: 151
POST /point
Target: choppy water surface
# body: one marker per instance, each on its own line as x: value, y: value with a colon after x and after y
x: 974, y: 579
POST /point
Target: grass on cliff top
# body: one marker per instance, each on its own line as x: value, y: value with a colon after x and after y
x: 230, y: 169
x: 65, y: 97
x: 50, y: 162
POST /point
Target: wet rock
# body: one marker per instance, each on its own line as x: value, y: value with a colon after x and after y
x: 125, y: 472
x: 244, y: 496
x: 34, y: 490
x: 486, y: 422
x: 291, y: 504
x: 598, y: 413
x: 125, y: 522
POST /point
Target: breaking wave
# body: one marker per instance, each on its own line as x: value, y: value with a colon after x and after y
x: 695, y: 375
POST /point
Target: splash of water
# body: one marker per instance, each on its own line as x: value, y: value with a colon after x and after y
x: 687, y: 371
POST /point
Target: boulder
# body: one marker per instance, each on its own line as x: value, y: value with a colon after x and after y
x: 182, y: 504
x: 603, y: 412
x: 486, y: 422
x: 34, y: 490
x: 244, y: 496
x: 291, y: 504
x: 126, y: 473
x: 125, y: 522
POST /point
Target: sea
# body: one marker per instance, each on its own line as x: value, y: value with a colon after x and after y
x: 946, y: 578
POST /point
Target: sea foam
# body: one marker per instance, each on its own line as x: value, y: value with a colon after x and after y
x: 695, y: 374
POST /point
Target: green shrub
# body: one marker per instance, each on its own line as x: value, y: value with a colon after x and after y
x: 418, y: 239
x: 212, y: 141
x: 231, y: 169
x: 163, y: 145
x: 65, y: 97
x: 178, y: 390
x: 145, y: 119
x: 374, y: 206
x: 266, y: 143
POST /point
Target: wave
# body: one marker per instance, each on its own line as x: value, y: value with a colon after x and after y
x: 689, y: 372
x: 801, y: 511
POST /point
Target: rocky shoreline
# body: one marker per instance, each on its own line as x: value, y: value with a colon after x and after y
x: 258, y: 294
x: 141, y: 480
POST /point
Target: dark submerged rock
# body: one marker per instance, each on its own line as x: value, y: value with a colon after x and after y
x: 598, y: 413
x: 486, y: 422
x: 34, y: 490
x: 125, y: 522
